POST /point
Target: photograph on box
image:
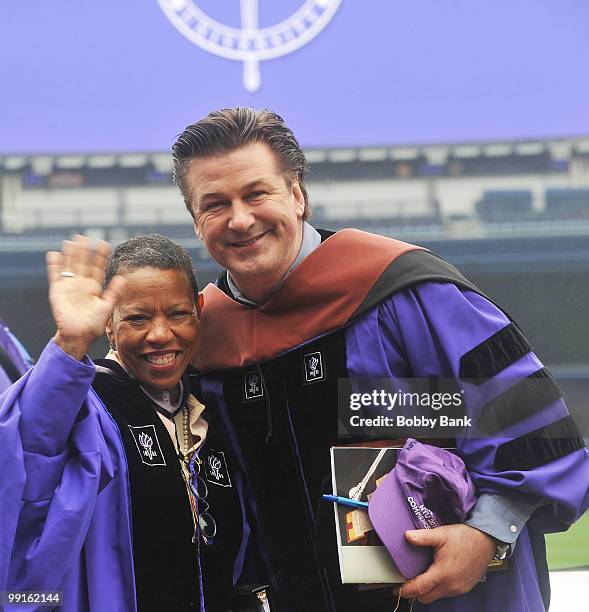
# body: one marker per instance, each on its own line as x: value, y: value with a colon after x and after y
x: 380, y: 493
x: 356, y: 473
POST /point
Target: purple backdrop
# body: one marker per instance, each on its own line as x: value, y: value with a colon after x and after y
x: 118, y: 76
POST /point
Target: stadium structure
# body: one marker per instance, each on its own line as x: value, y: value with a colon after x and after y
x: 513, y: 215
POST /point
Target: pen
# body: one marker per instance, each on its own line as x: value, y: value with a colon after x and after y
x: 346, y: 501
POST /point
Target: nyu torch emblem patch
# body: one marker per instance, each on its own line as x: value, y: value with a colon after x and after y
x: 216, y: 469
x: 147, y: 444
x: 313, y: 364
x: 253, y: 386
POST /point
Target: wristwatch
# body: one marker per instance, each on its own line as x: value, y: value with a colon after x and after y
x: 501, y: 551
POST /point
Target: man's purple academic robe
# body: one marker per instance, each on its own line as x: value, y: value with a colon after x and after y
x: 373, y: 307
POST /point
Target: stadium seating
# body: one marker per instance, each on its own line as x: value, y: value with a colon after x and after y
x: 498, y: 206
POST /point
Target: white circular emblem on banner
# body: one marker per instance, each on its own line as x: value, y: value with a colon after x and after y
x: 250, y: 44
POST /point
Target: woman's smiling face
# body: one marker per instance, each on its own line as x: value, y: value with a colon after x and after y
x: 154, y: 326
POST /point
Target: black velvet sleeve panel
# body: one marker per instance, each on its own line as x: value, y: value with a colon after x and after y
x: 539, y: 447
x: 494, y: 354
x: 519, y: 402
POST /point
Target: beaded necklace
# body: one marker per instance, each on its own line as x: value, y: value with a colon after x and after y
x: 188, y: 458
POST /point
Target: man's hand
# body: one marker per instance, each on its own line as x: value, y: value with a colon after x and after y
x: 79, y: 305
x: 461, y: 556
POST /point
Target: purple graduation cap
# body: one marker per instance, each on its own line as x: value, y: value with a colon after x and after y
x: 427, y: 488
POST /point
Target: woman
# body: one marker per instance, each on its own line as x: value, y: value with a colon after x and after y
x: 122, y: 495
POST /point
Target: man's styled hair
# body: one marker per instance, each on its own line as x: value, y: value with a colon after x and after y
x: 150, y: 251
x: 225, y: 130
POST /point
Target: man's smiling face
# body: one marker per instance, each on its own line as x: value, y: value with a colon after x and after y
x: 249, y: 215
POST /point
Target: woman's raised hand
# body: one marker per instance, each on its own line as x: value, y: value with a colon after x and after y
x: 79, y: 304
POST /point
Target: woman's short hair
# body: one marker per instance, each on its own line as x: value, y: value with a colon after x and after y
x: 150, y: 251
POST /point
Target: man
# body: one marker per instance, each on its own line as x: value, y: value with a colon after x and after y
x: 360, y: 306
